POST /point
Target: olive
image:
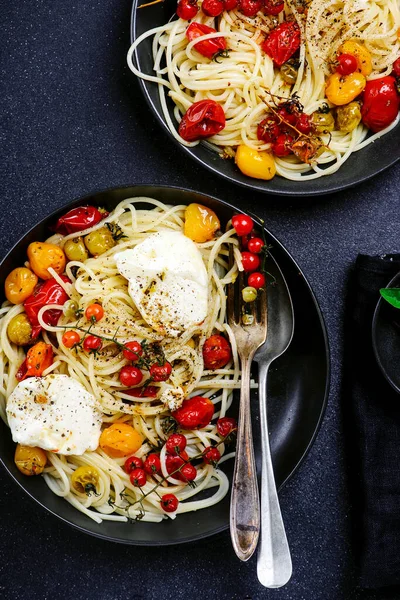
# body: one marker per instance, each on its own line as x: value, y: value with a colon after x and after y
x: 30, y: 460
x: 289, y: 71
x: 19, y: 330
x: 348, y: 117
x: 99, y: 241
x: 75, y: 249
x: 322, y: 122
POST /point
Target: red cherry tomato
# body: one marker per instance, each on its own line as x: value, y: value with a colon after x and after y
x: 396, y: 67
x: 208, y: 48
x: 152, y: 464
x: 79, y: 219
x: 91, y: 343
x: 71, y: 339
x: 188, y: 472
x: 282, y: 42
x: 347, y: 64
x: 194, y: 413
x: 148, y: 391
x: 242, y: 224
x: 175, y: 444
x: 160, y: 372
x: 138, y: 477
x: 380, y: 104
x: 202, y: 120
x: 174, y: 464
x: 212, y: 8
x: 49, y: 292
x: 94, y: 312
x: 132, y: 351
x: 256, y: 280
x: 250, y: 261
x: 130, y: 375
x: 268, y: 130
x: 255, y: 245
x: 169, y: 503
x: 303, y: 123
x: 211, y: 455
x: 273, y: 7
x: 216, y: 352
x: 250, y: 7
x: 283, y: 145
x: 187, y: 9
x: 230, y: 4
x: 133, y: 462
x: 225, y: 426
x: 287, y: 116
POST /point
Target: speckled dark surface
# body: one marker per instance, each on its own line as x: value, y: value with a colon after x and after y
x: 73, y: 121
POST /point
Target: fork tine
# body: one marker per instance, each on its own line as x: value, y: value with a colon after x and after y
x: 230, y: 302
x: 263, y: 307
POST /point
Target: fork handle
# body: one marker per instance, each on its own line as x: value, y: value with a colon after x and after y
x: 274, y: 563
x: 245, y: 504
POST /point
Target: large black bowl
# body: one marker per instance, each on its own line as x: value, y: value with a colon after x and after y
x: 361, y: 166
x: 298, y: 387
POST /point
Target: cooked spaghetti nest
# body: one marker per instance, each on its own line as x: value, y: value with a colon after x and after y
x: 97, y: 279
x: 245, y: 82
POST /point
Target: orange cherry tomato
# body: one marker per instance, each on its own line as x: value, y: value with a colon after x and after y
x: 42, y: 256
x: 201, y: 223
x: 94, y: 312
x: 19, y: 285
x: 119, y: 440
x: 216, y: 352
x: 71, y: 339
x: 194, y: 413
x: 38, y: 359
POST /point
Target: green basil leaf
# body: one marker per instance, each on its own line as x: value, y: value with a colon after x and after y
x: 391, y: 295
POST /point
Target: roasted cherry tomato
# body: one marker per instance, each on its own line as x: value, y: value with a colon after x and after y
x: 342, y: 89
x: 211, y: 455
x: 256, y: 280
x: 75, y: 249
x: 148, y: 391
x: 212, y: 8
x: 282, y: 42
x: 85, y: 480
x: 169, y: 503
x: 174, y: 464
x: 71, y: 339
x: 216, y: 352
x: 92, y: 343
x: 208, y: 48
x: 242, y: 224
x: 187, y: 9
x: 188, y: 472
x: 43, y: 256
x: 255, y: 163
x: 194, y: 413
x: 30, y: 460
x: 230, y: 4
x: 283, y: 145
x: 250, y: 261
x: 273, y: 7
x: 19, y: 285
x: 152, y: 464
x: 396, y: 68
x: 175, y: 444
x: 94, y: 312
x: 381, y: 103
x: 160, y: 372
x: 38, y: 359
x: 99, y: 241
x: 250, y: 7
x: 119, y: 440
x: 133, y: 462
x: 347, y: 63
x: 130, y: 376
x: 132, y: 351
x: 268, y: 129
x: 303, y: 123
x: 201, y: 223
x: 138, y: 477
x: 225, y: 426
x: 255, y: 245
x: 49, y: 292
x: 202, y: 120
x: 19, y: 330
x: 79, y: 219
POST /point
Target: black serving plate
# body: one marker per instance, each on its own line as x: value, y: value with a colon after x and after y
x: 359, y: 167
x: 386, y: 337
x: 298, y: 388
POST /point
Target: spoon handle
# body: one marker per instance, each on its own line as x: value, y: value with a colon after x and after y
x: 274, y: 564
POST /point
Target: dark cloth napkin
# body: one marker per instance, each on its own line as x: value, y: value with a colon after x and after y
x: 372, y: 425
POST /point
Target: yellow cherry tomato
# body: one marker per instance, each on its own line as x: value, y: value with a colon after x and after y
x: 341, y: 90
x: 360, y: 53
x: 120, y: 439
x: 19, y: 330
x: 99, y: 241
x: 85, y: 480
x: 41, y: 256
x: 75, y: 249
x: 260, y: 165
x: 201, y: 223
x: 348, y: 117
x: 19, y: 285
x: 30, y: 460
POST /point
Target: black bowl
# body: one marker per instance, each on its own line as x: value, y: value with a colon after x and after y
x: 386, y: 337
x: 298, y: 388
x: 361, y: 166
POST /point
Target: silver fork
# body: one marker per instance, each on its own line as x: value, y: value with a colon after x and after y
x: 245, y: 503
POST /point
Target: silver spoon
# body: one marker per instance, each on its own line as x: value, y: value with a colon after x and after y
x: 274, y: 563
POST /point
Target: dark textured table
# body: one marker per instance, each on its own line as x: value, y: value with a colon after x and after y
x: 74, y: 121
